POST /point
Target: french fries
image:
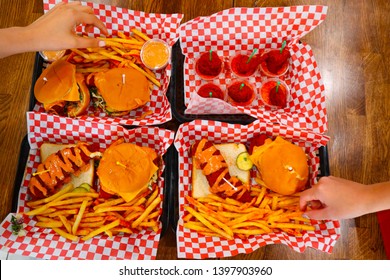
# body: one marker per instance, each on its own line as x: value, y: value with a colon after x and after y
x: 228, y: 218
x: 85, y: 215
x: 121, y: 51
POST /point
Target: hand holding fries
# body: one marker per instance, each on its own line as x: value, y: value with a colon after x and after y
x: 123, y: 51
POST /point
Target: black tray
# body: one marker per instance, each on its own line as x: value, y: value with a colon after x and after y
x: 167, y: 157
x: 174, y: 207
x: 175, y: 95
x: 38, y: 66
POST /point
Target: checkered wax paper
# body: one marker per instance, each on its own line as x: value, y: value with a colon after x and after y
x: 162, y: 26
x: 45, y: 243
x: 191, y: 244
x: 243, y: 29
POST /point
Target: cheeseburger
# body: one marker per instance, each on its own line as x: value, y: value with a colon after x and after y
x: 61, y: 90
x: 126, y: 170
x: 282, y: 166
x: 120, y: 90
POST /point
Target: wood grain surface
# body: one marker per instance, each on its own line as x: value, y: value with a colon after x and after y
x: 352, y: 50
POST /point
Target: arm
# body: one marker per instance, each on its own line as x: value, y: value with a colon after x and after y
x: 53, y: 31
x: 336, y: 198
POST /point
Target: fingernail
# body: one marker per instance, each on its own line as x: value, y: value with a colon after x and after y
x: 305, y: 216
x: 102, y: 44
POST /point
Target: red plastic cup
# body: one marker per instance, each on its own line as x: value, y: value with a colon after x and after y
x: 209, y: 66
x: 240, y: 93
x: 275, y: 64
x: 274, y: 96
x: 211, y: 90
x: 243, y: 66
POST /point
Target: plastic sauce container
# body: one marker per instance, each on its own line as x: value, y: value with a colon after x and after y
x: 211, y: 90
x: 273, y: 95
x: 209, y: 65
x: 52, y: 55
x: 274, y: 63
x: 243, y: 66
x: 241, y: 93
x: 155, y: 54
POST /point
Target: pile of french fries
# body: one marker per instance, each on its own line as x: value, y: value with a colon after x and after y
x: 76, y: 215
x: 122, y: 51
x: 228, y: 218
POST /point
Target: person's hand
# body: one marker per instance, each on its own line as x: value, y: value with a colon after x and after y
x: 55, y: 30
x: 335, y: 198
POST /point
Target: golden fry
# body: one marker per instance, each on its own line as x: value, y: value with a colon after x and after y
x: 79, y: 216
x: 68, y: 188
x: 291, y: 226
x: 207, y: 223
x: 66, y: 235
x: 101, y: 229
x: 140, y: 34
x: 147, y: 211
x: 66, y: 224
x: 54, y: 224
x: 266, y: 213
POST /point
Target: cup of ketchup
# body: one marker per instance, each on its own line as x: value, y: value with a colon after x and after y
x: 244, y: 64
x: 274, y: 62
x: 211, y: 90
x: 275, y: 93
x: 209, y: 65
x: 240, y: 93
x: 155, y: 54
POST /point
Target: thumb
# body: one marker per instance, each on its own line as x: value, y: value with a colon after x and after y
x: 89, y: 42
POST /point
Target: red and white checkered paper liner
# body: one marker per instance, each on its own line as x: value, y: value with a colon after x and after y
x: 243, y: 29
x: 191, y: 244
x: 162, y: 26
x: 45, y: 243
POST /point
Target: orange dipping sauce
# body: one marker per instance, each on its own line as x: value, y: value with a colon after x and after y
x: 155, y: 54
x: 52, y: 55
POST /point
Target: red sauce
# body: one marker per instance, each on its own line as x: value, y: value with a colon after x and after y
x: 207, y: 68
x: 273, y: 98
x: 211, y: 91
x: 240, y: 66
x: 256, y: 141
x: 241, y: 95
x: 275, y: 63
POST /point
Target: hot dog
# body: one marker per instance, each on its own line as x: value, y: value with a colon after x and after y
x: 215, y: 168
x: 56, y: 169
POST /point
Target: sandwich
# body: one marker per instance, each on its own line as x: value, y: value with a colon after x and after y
x: 60, y: 166
x: 61, y: 90
x: 126, y: 169
x: 120, y: 90
x: 281, y: 166
x: 215, y: 170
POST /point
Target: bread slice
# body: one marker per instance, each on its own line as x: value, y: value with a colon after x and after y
x: 230, y: 152
x: 86, y: 176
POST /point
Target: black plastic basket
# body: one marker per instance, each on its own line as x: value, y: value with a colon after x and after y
x: 174, y: 179
x: 167, y: 157
x: 176, y: 93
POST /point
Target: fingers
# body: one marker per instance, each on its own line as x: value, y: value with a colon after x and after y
x: 321, y: 214
x: 88, y: 42
x: 90, y: 21
x: 306, y: 197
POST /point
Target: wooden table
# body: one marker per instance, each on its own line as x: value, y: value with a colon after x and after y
x: 352, y: 50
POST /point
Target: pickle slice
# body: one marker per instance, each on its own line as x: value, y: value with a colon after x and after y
x: 244, y: 162
x: 83, y: 188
